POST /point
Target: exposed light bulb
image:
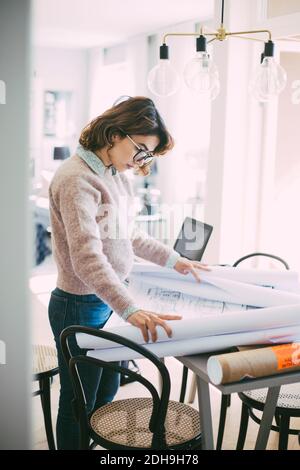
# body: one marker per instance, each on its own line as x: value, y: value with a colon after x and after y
x: 269, y: 78
x: 201, y: 75
x: 163, y: 80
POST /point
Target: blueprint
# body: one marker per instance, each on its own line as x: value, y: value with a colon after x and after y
x: 166, y: 300
x: 217, y: 313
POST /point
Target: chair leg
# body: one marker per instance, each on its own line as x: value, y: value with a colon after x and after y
x: 46, y: 406
x: 222, y: 420
x: 284, y: 432
x: 228, y: 400
x: 193, y: 389
x: 183, y: 384
x: 92, y: 445
x: 243, y: 427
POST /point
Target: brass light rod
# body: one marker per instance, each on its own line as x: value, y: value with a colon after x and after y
x: 252, y: 32
x: 221, y: 34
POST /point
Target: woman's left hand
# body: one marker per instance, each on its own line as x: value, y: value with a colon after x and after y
x: 185, y: 266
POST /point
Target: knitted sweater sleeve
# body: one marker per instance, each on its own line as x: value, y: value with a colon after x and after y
x: 149, y: 248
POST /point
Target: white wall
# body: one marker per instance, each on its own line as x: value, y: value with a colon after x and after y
x: 59, y: 70
x: 108, y: 79
x: 284, y: 221
x: 288, y: 137
x: 279, y: 7
x: 119, y: 70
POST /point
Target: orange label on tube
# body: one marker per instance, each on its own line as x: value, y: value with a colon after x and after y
x: 288, y: 355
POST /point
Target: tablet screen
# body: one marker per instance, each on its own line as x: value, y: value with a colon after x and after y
x: 192, y: 239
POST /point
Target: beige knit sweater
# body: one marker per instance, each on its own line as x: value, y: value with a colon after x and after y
x: 93, y: 235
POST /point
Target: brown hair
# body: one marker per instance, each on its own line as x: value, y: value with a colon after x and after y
x: 135, y: 116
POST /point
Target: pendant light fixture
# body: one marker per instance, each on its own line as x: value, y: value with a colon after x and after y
x: 201, y: 74
x: 163, y: 80
x: 269, y: 78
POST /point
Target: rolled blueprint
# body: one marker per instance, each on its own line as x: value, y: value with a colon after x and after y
x: 200, y: 345
x: 232, y: 367
x: 279, y: 279
x: 206, y: 325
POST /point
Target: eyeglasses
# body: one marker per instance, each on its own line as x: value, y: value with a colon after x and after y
x: 142, y: 157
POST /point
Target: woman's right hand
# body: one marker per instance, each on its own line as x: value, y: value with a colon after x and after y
x: 147, y: 321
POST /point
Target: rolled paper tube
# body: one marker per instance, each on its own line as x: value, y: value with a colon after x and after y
x: 253, y: 363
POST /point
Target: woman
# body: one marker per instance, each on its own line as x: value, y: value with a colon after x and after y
x: 90, y: 200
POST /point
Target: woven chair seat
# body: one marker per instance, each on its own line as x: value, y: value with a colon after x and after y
x: 44, y: 359
x: 289, y: 396
x: 126, y: 422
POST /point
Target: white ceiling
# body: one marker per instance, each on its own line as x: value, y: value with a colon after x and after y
x: 89, y: 23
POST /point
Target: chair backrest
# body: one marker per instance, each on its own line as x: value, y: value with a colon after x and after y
x: 268, y: 255
x: 160, y: 403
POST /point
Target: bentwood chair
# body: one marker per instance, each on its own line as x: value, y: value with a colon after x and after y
x: 133, y: 423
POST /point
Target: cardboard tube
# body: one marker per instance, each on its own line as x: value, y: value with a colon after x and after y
x: 233, y: 367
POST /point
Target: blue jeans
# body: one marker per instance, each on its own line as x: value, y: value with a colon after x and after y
x: 100, y: 385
